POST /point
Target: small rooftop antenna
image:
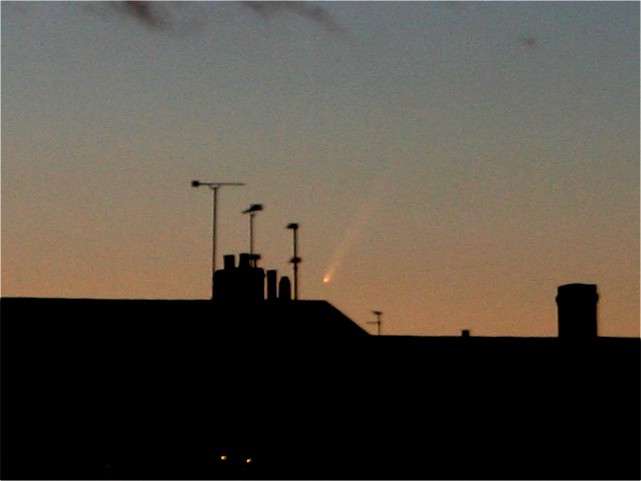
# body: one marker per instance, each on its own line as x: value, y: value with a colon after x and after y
x: 251, y: 210
x: 378, y: 322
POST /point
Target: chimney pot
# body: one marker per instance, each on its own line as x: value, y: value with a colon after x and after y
x: 284, y: 289
x: 244, y: 263
x: 577, y: 311
x: 229, y: 261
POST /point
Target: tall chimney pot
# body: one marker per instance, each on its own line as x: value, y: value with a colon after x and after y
x: 272, y: 284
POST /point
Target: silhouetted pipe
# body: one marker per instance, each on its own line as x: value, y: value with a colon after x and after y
x: 272, y: 285
x: 577, y: 311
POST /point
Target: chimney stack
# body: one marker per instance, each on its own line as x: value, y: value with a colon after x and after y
x: 239, y: 284
x: 577, y: 311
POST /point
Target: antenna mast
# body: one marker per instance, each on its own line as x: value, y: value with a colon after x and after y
x: 378, y: 322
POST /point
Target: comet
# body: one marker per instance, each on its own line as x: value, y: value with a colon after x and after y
x: 383, y: 163
x: 353, y: 234
x: 331, y: 270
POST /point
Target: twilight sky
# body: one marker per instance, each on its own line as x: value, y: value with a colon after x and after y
x: 449, y: 163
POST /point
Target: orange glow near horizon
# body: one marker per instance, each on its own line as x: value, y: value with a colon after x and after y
x: 427, y: 182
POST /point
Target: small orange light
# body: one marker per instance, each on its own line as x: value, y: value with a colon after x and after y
x: 248, y: 460
x: 223, y: 458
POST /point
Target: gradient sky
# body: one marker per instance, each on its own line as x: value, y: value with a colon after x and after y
x: 449, y: 164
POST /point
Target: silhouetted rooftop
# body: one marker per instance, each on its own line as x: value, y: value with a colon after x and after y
x: 143, y: 389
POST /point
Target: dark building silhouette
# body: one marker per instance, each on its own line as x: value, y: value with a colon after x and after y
x: 255, y: 385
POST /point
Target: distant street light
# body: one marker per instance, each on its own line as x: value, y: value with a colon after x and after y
x: 295, y: 259
x: 378, y: 322
x: 214, y: 186
x: 252, y: 212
